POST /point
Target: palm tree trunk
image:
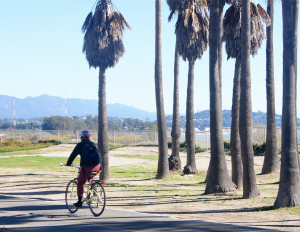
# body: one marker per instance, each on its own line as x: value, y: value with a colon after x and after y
x: 289, y: 184
x: 220, y: 57
x: 220, y: 47
x: 295, y: 7
x: 190, y: 167
x: 235, y: 142
x: 245, y: 122
x: 218, y: 177
x: 271, y: 161
x: 162, y: 167
x: 103, y: 144
x: 174, y: 159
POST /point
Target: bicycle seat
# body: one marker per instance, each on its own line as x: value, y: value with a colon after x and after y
x: 93, y: 174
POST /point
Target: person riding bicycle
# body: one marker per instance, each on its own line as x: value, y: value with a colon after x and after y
x: 90, y: 161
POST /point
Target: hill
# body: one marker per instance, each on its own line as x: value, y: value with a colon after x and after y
x: 46, y: 106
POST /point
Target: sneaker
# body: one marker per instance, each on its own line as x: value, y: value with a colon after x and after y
x: 78, y: 204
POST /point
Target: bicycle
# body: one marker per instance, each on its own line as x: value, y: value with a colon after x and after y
x: 93, y: 196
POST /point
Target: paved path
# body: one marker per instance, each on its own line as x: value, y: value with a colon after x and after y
x: 19, y: 214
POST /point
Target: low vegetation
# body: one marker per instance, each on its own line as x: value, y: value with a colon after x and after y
x: 259, y: 147
x: 183, y: 145
x: 13, y: 146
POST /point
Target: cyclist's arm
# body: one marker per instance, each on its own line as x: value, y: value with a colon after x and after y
x: 73, y: 155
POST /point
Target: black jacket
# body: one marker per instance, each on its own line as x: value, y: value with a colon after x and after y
x: 77, y: 151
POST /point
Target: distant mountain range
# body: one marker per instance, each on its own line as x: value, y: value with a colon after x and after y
x: 46, y: 106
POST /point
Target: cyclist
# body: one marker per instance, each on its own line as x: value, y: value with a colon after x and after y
x: 88, y: 165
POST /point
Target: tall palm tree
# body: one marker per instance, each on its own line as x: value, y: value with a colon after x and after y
x: 192, y: 40
x: 235, y: 141
x: 220, y: 48
x: 271, y: 161
x: 162, y: 167
x: 218, y: 177
x: 174, y: 159
x: 245, y: 123
x: 103, y: 46
x: 289, y: 184
x: 232, y: 37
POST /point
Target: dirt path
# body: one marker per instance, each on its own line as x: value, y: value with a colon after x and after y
x: 179, y: 197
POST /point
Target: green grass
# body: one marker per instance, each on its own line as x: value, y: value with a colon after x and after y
x: 34, y: 162
x: 148, y: 157
x: 25, y: 148
x: 131, y: 171
x: 30, y: 152
x: 112, y: 147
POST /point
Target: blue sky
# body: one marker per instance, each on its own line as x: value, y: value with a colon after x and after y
x: 41, y: 43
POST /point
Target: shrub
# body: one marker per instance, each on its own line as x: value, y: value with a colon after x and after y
x: 259, y: 148
x: 54, y: 142
x: 227, y: 145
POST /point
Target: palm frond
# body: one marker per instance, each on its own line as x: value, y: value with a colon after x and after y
x: 171, y: 15
x: 203, y: 3
x: 232, y: 30
x: 87, y: 22
x: 187, y: 15
x: 103, y: 39
x: 192, y: 34
x: 125, y: 22
x: 264, y: 15
x: 195, y: 23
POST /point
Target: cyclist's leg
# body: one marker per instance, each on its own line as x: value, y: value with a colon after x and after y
x: 80, y: 187
x: 91, y: 169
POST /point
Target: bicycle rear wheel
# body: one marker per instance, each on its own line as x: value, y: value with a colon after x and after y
x: 71, y: 196
x: 98, y: 199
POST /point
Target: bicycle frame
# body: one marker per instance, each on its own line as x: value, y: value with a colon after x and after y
x: 88, y: 188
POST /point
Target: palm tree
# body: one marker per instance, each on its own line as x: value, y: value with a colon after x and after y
x: 174, y: 159
x: 289, y: 184
x: 245, y: 122
x: 162, y: 167
x: 271, y: 161
x: 218, y: 177
x: 103, y: 46
x: 191, y: 40
x: 220, y: 49
x: 232, y: 37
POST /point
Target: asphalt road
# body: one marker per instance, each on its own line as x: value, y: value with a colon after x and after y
x: 19, y: 214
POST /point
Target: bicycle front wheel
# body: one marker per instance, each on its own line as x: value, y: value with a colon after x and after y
x: 97, y: 199
x: 71, y: 196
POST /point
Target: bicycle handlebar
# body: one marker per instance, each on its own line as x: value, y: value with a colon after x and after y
x: 72, y: 165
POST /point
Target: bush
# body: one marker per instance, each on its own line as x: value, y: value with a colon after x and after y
x: 199, y: 149
x: 52, y: 141
x: 227, y: 145
x: 259, y: 148
x: 183, y: 145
